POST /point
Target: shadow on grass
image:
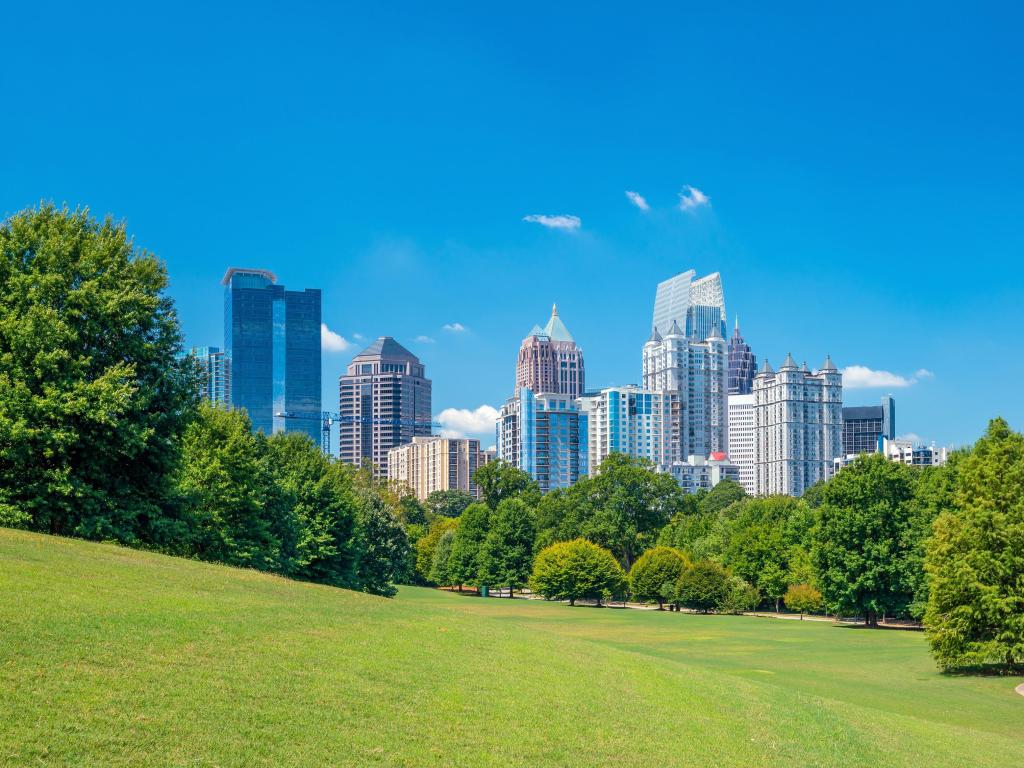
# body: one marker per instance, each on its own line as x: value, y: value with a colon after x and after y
x: 985, y: 670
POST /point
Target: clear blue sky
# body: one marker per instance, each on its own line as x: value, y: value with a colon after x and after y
x: 863, y: 169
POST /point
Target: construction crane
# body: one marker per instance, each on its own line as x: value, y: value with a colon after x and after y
x: 328, y: 418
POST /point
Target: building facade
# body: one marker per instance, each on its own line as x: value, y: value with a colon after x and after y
x: 797, y: 426
x: 866, y: 427
x: 702, y: 474
x: 214, y: 373
x: 546, y: 436
x: 429, y: 464
x: 272, y: 346
x: 696, y: 304
x: 742, y: 364
x: 383, y: 402
x: 741, y: 440
x: 550, y: 361
x: 637, y: 422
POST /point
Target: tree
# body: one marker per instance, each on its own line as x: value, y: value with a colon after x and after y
x: 740, y: 598
x: 802, y: 598
x: 498, y: 480
x: 975, y: 559
x: 934, y: 493
x: 384, y: 547
x: 506, y: 556
x: 862, y: 539
x: 721, y: 496
x: 440, y: 572
x: 654, y: 573
x: 704, y: 586
x: 93, y: 400
x: 426, y: 547
x: 464, y: 565
x: 577, y: 570
x: 450, y: 503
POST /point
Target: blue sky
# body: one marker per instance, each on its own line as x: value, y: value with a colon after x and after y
x: 862, y: 169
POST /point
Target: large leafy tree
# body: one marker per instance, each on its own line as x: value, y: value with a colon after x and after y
x: 655, y: 574
x: 863, y: 539
x: 975, y: 559
x: 498, y: 480
x: 506, y: 555
x: 464, y: 563
x: 577, y: 570
x: 92, y: 398
x: 383, y: 547
x: 450, y: 503
x: 721, y: 496
x: 704, y: 586
x: 426, y: 546
x: 440, y: 572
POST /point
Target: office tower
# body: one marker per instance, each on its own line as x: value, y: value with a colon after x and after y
x: 545, y: 435
x: 865, y: 427
x: 741, y: 439
x: 634, y: 421
x: 697, y: 305
x: 272, y: 341
x: 698, y: 473
x: 550, y: 361
x: 429, y: 464
x: 214, y: 373
x: 384, y: 401
x: 742, y: 364
x: 798, y: 422
x: 698, y: 372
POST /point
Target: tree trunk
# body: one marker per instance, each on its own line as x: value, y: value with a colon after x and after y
x: 801, y: 615
x: 460, y: 589
x: 572, y: 601
x: 510, y: 592
x: 661, y: 606
x: 776, y: 605
x: 870, y: 618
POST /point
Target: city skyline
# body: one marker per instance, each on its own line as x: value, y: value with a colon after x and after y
x: 873, y: 215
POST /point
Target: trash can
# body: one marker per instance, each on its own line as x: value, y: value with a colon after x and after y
x: 484, y: 592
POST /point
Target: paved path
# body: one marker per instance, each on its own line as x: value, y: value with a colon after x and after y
x: 1020, y: 689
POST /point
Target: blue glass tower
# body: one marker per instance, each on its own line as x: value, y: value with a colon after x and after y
x: 272, y: 340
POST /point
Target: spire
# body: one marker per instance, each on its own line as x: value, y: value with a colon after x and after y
x: 555, y: 328
x: 674, y: 329
x: 716, y: 332
x: 554, y: 309
x: 766, y: 369
x: 804, y: 367
x: 736, y: 327
x: 655, y: 336
x: 789, y: 362
x: 828, y: 365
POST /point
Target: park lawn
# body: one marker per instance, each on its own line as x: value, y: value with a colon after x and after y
x: 112, y: 657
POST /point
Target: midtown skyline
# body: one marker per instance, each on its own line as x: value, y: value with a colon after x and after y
x: 866, y: 207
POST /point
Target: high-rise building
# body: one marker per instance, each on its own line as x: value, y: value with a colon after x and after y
x: 214, y: 373
x: 742, y: 364
x: 634, y: 421
x: 549, y: 360
x: 272, y: 341
x: 384, y: 401
x: 429, y: 464
x: 741, y: 439
x: 698, y: 372
x: 866, y: 427
x: 697, y: 305
x: 545, y: 435
x: 798, y: 424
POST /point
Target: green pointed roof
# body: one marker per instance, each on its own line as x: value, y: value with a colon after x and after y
x: 556, y: 328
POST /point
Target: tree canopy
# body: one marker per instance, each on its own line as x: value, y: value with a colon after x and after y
x: 577, y: 570
x: 654, y: 575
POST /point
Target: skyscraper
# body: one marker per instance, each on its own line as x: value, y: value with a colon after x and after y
x: 741, y: 439
x: 742, y: 364
x: 550, y: 361
x: 545, y: 435
x: 384, y: 401
x: 272, y: 341
x: 797, y: 426
x: 434, y: 463
x: 866, y: 427
x: 695, y: 304
x: 215, y: 373
x: 634, y: 421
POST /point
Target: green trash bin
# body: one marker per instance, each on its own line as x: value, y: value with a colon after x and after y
x: 484, y: 592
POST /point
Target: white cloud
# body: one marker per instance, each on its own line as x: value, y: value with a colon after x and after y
x: 563, y: 221
x: 358, y: 336
x: 459, y: 422
x: 691, y: 198
x: 454, y: 327
x: 862, y: 377
x: 913, y: 437
x: 331, y: 341
x: 638, y: 200
x: 491, y: 448
x: 424, y: 339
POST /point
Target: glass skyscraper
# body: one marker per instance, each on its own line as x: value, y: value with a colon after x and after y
x: 697, y: 305
x: 214, y: 373
x: 272, y: 341
x: 742, y: 364
x: 865, y: 428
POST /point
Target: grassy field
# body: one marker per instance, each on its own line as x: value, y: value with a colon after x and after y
x: 112, y: 657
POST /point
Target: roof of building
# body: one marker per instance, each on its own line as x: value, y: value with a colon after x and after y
x: 536, y: 331
x: 716, y: 332
x: 556, y: 328
x: 789, y: 362
x: 718, y: 456
x: 674, y: 329
x: 385, y: 346
x: 261, y: 272
x: 766, y: 368
x: 655, y: 336
x: 828, y: 365
x: 857, y: 412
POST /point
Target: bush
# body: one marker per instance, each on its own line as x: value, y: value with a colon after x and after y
x: 654, y: 574
x: 577, y: 570
x: 704, y: 586
x: 740, y: 598
x: 802, y: 598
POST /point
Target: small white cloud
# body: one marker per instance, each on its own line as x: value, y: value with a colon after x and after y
x: 691, y: 198
x: 862, y: 377
x: 358, y: 336
x: 491, y: 448
x: 331, y: 341
x: 913, y: 437
x: 638, y: 200
x: 424, y: 339
x: 563, y: 221
x: 454, y: 327
x: 459, y: 422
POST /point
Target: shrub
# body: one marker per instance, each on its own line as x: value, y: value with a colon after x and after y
x: 575, y: 570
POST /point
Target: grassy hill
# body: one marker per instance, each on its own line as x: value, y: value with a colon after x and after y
x: 112, y: 657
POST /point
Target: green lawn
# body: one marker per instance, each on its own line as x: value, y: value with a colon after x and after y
x: 113, y: 657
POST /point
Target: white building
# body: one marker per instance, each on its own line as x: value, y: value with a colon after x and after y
x: 634, y: 421
x: 798, y: 425
x: 902, y: 452
x: 698, y: 473
x: 741, y: 439
x: 429, y: 464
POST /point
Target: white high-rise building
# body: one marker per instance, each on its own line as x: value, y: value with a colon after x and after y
x: 634, y: 421
x: 741, y: 439
x: 798, y: 426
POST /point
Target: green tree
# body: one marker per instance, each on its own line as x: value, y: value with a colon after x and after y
x: 934, y: 493
x: 577, y: 570
x: 704, y: 586
x: 383, y: 545
x: 464, y: 565
x: 506, y: 556
x: 440, y: 573
x: 92, y: 398
x: 975, y: 559
x: 654, y: 574
x: 862, y: 541
x: 741, y: 597
x: 802, y: 598
x: 450, y: 503
x: 498, y: 480
x: 721, y: 496
x: 426, y: 546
